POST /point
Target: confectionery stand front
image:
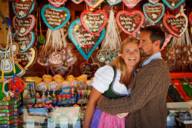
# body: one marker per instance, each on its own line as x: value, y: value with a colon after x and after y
x: 50, y: 50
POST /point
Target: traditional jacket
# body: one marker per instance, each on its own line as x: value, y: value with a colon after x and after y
x: 147, y: 103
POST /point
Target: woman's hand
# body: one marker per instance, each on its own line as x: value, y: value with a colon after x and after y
x: 122, y: 115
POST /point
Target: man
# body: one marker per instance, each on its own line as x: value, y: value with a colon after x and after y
x: 147, y: 103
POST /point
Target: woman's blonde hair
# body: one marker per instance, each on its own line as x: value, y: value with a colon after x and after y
x: 119, y: 63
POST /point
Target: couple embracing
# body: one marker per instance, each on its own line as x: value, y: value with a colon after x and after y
x: 131, y: 92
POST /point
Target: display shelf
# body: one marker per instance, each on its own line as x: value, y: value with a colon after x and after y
x: 177, y: 75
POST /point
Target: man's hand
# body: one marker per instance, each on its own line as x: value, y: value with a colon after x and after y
x: 99, y: 102
x: 122, y: 115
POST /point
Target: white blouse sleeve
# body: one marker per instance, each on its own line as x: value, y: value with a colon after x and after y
x: 103, y: 78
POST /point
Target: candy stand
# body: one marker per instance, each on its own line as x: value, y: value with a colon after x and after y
x: 50, y: 50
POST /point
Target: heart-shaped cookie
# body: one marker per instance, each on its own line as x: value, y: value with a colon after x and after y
x: 26, y: 59
x: 131, y: 3
x: 153, y: 12
x: 153, y: 1
x: 175, y: 24
x: 25, y: 42
x: 77, y: 1
x: 113, y: 2
x: 85, y: 42
x: 55, y: 18
x: 94, y: 22
x: 173, y: 4
x: 23, y: 8
x: 93, y: 3
x: 57, y: 3
x: 130, y: 22
x: 24, y: 26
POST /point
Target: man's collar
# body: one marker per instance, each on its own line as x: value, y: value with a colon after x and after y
x: 152, y: 57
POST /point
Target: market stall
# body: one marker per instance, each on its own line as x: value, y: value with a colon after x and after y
x: 51, y: 49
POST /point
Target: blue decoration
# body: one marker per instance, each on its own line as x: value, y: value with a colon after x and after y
x: 171, y: 6
x: 71, y: 32
x: 63, y: 9
x: 149, y: 18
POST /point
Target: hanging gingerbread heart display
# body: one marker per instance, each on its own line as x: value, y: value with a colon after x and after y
x: 153, y: 1
x: 24, y: 26
x: 130, y: 22
x: 94, y: 22
x: 85, y: 42
x: 113, y: 2
x: 173, y: 4
x: 25, y: 42
x: 153, y: 12
x: 23, y: 8
x: 131, y: 3
x: 175, y: 24
x: 77, y: 1
x: 55, y: 18
x: 27, y: 58
x: 57, y: 3
x: 93, y: 3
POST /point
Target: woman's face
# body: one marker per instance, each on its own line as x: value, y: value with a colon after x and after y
x: 131, y: 54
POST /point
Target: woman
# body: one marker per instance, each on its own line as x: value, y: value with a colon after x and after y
x: 112, y: 81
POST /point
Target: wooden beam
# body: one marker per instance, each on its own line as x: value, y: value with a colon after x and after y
x: 4, y: 11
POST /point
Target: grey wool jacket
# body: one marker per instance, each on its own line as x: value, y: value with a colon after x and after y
x: 147, y: 103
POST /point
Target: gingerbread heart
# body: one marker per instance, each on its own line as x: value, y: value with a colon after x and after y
x: 26, y: 59
x: 175, y: 24
x: 131, y: 3
x: 25, y: 42
x: 77, y: 1
x: 55, y: 18
x: 153, y: 12
x: 113, y: 2
x: 85, y: 42
x: 23, y: 8
x: 57, y: 3
x: 153, y: 1
x: 190, y: 18
x: 93, y: 3
x: 94, y: 22
x: 173, y: 4
x: 24, y: 26
x: 130, y: 22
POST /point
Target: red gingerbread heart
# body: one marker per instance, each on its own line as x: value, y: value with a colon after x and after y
x: 175, y: 24
x: 130, y: 22
x: 190, y: 18
x: 94, y: 22
x: 25, y: 25
x: 57, y: 3
x: 131, y: 3
x: 93, y: 3
x: 77, y: 1
x: 23, y: 8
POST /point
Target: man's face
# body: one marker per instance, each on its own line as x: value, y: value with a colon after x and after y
x: 146, y: 45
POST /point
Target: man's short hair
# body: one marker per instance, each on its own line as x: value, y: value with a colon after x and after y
x: 155, y: 34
